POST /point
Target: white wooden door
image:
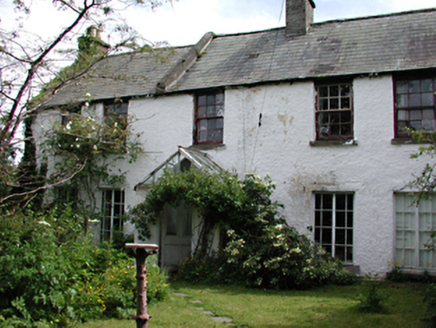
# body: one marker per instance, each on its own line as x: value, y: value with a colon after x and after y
x: 176, y: 236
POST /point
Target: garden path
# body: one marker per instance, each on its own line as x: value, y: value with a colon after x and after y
x: 206, y: 312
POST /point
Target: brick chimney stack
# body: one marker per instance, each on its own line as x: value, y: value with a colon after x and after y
x: 299, y: 16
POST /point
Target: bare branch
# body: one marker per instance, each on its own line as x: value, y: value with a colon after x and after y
x: 45, y: 186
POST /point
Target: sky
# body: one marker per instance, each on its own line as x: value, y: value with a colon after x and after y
x: 184, y: 22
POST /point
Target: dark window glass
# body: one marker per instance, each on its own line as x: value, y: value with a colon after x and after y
x: 414, y: 106
x: 209, y: 118
x: 113, y: 211
x: 334, y: 224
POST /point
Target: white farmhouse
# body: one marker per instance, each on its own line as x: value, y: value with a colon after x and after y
x: 320, y: 107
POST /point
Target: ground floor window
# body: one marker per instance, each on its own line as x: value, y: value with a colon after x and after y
x: 113, y: 211
x: 334, y: 224
x: 414, y: 226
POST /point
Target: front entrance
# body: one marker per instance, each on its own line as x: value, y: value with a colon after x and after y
x: 176, y: 235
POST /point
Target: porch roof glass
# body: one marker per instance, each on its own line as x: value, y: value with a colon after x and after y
x: 177, y: 162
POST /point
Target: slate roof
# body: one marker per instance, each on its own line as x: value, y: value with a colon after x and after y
x: 124, y: 75
x: 371, y: 45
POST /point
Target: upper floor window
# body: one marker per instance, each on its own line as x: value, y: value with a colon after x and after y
x: 209, y: 118
x: 334, y: 111
x: 116, y: 111
x: 67, y: 113
x: 414, y: 105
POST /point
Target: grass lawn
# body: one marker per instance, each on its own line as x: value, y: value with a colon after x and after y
x: 329, y: 306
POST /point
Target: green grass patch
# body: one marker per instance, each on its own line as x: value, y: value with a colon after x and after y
x: 329, y: 306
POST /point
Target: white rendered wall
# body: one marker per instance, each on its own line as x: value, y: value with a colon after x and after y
x: 280, y: 147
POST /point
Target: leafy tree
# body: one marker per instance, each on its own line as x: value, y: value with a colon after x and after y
x: 426, y: 181
x: 28, y: 67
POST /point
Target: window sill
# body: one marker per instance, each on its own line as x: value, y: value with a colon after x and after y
x: 407, y: 141
x: 326, y: 143
x: 208, y: 146
x: 352, y: 268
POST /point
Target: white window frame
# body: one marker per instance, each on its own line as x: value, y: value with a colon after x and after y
x: 413, y: 225
x: 106, y: 230
x: 321, y: 228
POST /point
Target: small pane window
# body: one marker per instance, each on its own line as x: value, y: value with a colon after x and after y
x: 116, y: 111
x: 334, y: 224
x: 414, y: 106
x: 334, y: 111
x: 113, y: 212
x: 414, y: 226
x: 209, y: 118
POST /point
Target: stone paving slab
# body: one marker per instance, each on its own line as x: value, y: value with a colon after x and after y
x: 222, y: 319
x: 180, y: 294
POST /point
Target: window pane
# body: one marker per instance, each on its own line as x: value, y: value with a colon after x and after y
x: 201, y: 100
x: 324, y: 104
x: 350, y: 201
x: 201, y: 112
x: 414, y: 86
x: 218, y: 136
x: 334, y: 103
x: 326, y: 236
x: 415, y: 115
x: 345, y: 90
x: 335, y: 130
x: 427, y: 99
x: 220, y: 110
x: 427, y: 85
x: 428, y: 125
x: 318, y: 201
x: 416, y: 125
x: 402, y: 101
x: 327, y: 218
x: 349, y: 236
x: 211, y: 111
x: 340, y: 219
x: 317, y: 218
x: 415, y: 100
x: 428, y: 114
x: 340, y: 202
x: 345, y: 103
x: 403, y: 115
x: 340, y: 253
x: 210, y: 100
x: 334, y: 91
x: 317, y: 235
x: 323, y: 91
x: 401, y: 87
x: 202, y: 136
x: 219, y: 98
x: 340, y: 236
x: 327, y: 201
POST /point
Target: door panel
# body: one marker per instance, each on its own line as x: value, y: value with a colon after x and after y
x: 176, y: 236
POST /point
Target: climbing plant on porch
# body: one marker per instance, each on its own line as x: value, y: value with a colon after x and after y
x: 257, y: 244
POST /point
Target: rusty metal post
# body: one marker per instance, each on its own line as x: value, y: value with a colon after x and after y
x: 141, y: 253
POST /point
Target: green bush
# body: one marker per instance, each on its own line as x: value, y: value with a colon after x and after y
x: 280, y: 257
x: 430, y: 300
x: 54, y: 275
x: 374, y: 301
